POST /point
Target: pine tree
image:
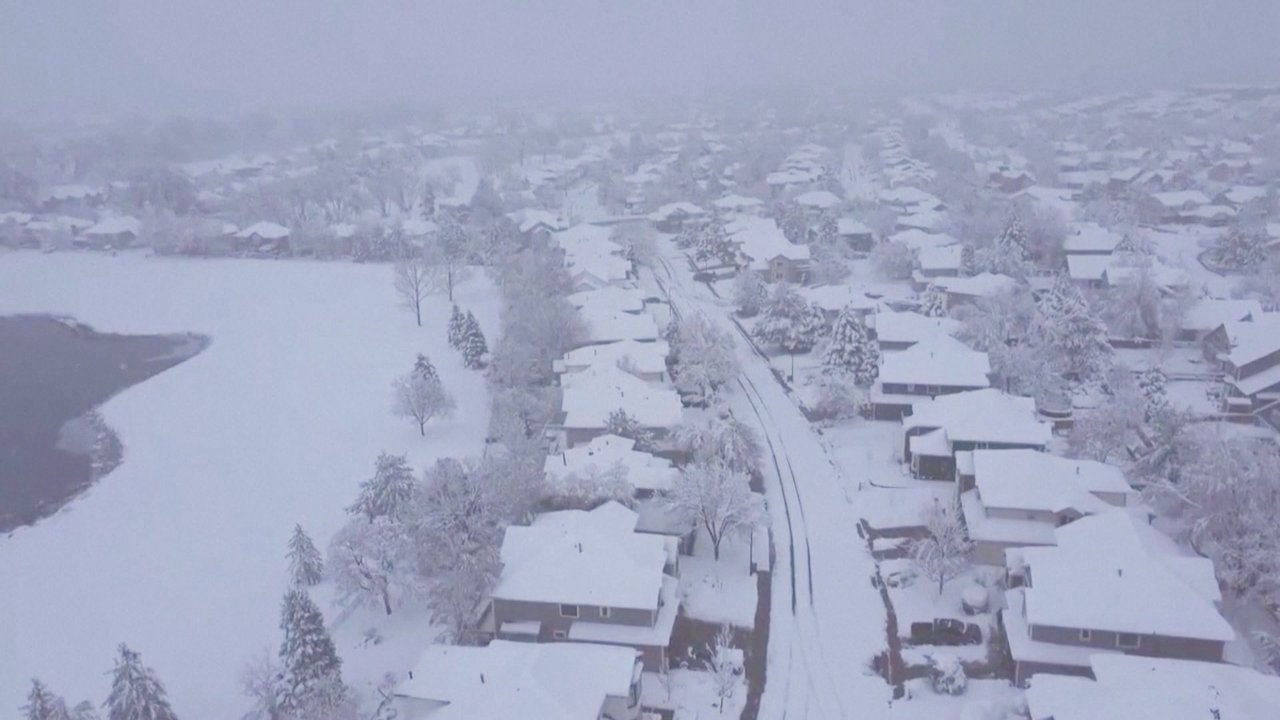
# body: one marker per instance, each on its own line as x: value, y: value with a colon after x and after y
x: 424, y: 369
x: 306, y: 567
x: 136, y: 692
x: 934, y: 302
x: 312, y: 669
x: 473, y: 346
x: 1007, y: 255
x: 1076, y: 335
x: 713, y: 246
x: 457, y: 323
x: 389, y: 491
x: 1152, y: 385
x: 43, y: 704
x: 852, y: 351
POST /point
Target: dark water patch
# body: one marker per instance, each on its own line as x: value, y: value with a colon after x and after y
x: 54, y: 373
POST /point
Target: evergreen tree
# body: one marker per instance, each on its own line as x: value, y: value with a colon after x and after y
x: 457, y: 323
x: 934, y: 302
x: 1007, y: 255
x: 312, y: 669
x: 968, y: 261
x: 136, y: 692
x: 1152, y: 385
x: 424, y: 369
x: 852, y: 351
x: 1076, y: 336
x: 713, y: 246
x: 306, y: 567
x: 42, y: 704
x: 472, y: 343
x: 389, y: 491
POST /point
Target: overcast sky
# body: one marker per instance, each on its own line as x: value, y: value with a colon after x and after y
x: 176, y: 55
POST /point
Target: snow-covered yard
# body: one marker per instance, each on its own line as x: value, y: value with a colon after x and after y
x: 915, y: 599
x: 982, y: 700
x: 720, y: 592
x: 692, y: 695
x: 181, y: 551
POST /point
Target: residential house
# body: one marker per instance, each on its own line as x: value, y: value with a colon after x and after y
x: 908, y: 199
x: 645, y: 360
x: 737, y: 204
x: 587, y: 576
x: 858, y: 236
x: 673, y: 217
x: 603, y: 324
x: 1010, y: 180
x: 1172, y: 206
x: 900, y: 330
x: 832, y: 299
x: 1109, y: 586
x: 1016, y: 498
x: 940, y: 427
x: 1208, y: 314
x: 590, y: 396
x: 762, y: 248
x: 532, y: 222
x: 515, y: 680
x: 817, y: 203
x: 263, y: 237
x: 611, y: 297
x: 937, y: 262
x: 1088, y: 238
x: 119, y: 231
x: 937, y: 365
x: 1249, y: 354
x: 965, y: 290
x: 1128, y: 686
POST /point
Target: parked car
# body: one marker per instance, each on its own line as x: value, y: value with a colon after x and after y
x: 945, y: 631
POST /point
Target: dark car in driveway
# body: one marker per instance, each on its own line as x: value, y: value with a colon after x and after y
x: 945, y: 631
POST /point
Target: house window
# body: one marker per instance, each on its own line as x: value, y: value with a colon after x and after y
x: 1086, y: 635
x: 1128, y: 641
x: 604, y: 612
x: 570, y: 611
x: 558, y: 634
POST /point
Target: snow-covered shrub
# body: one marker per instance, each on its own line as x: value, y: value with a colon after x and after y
x: 947, y: 674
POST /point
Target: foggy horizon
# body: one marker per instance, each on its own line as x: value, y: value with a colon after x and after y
x: 150, y: 57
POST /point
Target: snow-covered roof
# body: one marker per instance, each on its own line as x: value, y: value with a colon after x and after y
x: 761, y: 240
x: 737, y: 202
x: 834, y: 298
x: 908, y: 196
x: 910, y: 327
x: 582, y: 557
x: 1101, y: 576
x: 1253, y: 339
x: 676, y: 209
x: 986, y: 415
x: 630, y: 355
x: 528, y: 219
x: 1180, y: 198
x: 1207, y: 314
x: 936, y: 259
x: 1210, y: 212
x: 818, y: 199
x: 981, y: 285
x: 850, y: 226
x: 18, y: 218
x: 928, y: 220
x: 919, y: 239
x: 937, y: 360
x: 265, y: 231
x: 584, y: 236
x: 1031, y: 480
x: 791, y: 177
x: 115, y: 225
x: 590, y: 396
x: 1090, y: 237
x: 1242, y: 194
x: 605, y: 324
x: 644, y: 470
x: 505, y: 679
x: 1088, y: 267
x: 620, y: 299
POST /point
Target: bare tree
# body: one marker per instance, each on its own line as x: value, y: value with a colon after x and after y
x: 725, y: 666
x: 421, y: 398
x: 944, y: 553
x: 415, y: 279
x: 260, y: 681
x: 718, y: 498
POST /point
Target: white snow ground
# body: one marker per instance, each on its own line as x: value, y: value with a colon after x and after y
x: 180, y: 551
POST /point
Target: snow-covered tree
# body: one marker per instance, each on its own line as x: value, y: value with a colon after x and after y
x: 946, y: 674
x: 420, y: 397
x: 717, y: 498
x: 1239, y: 249
x: 306, y: 567
x: 472, y: 343
x: 1106, y: 432
x: 851, y: 351
x: 893, y: 259
x: 792, y: 222
x: 622, y: 424
x: 720, y: 438
x: 371, y: 560
x: 789, y: 322
x: 414, y: 280
x: 589, y: 488
x: 1135, y: 308
x: 262, y: 680
x: 457, y: 323
x: 84, y: 710
x: 704, y: 355
x: 934, y: 302
x: 312, y: 671
x: 447, y: 253
x: 43, y: 704
x: 944, y: 552
x: 1151, y: 383
x: 1075, y: 337
x: 749, y: 293
x: 136, y: 692
x: 1270, y: 650
x: 389, y: 492
x: 713, y: 247
x: 1007, y: 254
x: 838, y: 398
x: 725, y: 666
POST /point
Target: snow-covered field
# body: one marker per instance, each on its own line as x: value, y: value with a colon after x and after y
x: 180, y: 551
x: 721, y: 592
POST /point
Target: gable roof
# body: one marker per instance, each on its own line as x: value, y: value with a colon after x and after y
x: 818, y: 199
x: 1091, y: 237
x: 986, y: 415
x: 937, y: 360
x: 761, y: 240
x: 1253, y: 339
x: 611, y: 297
x: 629, y: 355
x: 589, y: 397
x: 264, y: 230
x: 604, y: 324
x: 508, y: 680
x: 912, y: 327
x: 1031, y: 480
x: 644, y: 470
x: 583, y: 557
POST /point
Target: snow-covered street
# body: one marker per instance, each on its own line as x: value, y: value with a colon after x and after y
x: 828, y: 620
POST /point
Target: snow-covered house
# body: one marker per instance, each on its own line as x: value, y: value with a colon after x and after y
x: 1171, y: 206
x: 673, y: 217
x: 1208, y: 314
x: 962, y: 290
x: 587, y: 577
x: 263, y: 237
x: 938, y: 365
x: 938, y: 428
x: 645, y: 360
x: 590, y: 396
x: 535, y: 221
x: 1089, y: 238
x: 937, y: 262
x: 1249, y: 355
x: 818, y: 202
x: 763, y: 248
x: 611, y: 297
x: 832, y: 299
x: 900, y: 330
x: 564, y: 681
x: 858, y: 236
x: 1107, y: 586
x: 908, y: 199
x: 1125, y: 687
x: 603, y: 324
x: 1015, y: 498
x: 116, y: 231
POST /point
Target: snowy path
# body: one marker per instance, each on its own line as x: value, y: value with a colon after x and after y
x: 828, y: 619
